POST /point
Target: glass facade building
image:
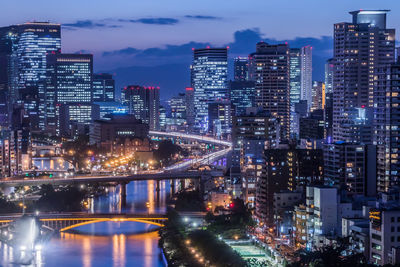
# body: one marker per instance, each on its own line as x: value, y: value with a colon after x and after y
x: 144, y: 103
x: 69, y: 82
x: 25, y: 48
x: 209, y: 74
x: 103, y: 88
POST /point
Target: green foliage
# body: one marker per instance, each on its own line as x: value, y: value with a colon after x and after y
x: 65, y: 199
x: 330, y: 256
x: 7, y: 206
x: 172, y: 238
x: 214, y: 250
x: 166, y: 150
x: 233, y: 224
x: 189, y: 201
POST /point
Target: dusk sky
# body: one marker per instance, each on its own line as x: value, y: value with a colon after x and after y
x: 150, y: 41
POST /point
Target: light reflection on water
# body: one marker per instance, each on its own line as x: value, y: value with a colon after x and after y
x: 115, y: 244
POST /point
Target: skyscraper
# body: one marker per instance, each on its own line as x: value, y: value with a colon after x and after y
x: 69, y: 84
x: 329, y: 68
x: 387, y: 127
x: 306, y: 74
x: 144, y: 103
x: 241, y: 94
x: 295, y: 76
x: 270, y: 68
x: 360, y: 48
x: 103, y: 88
x: 241, y: 68
x: 27, y: 46
x: 318, y: 95
x: 209, y: 74
x: 190, y: 113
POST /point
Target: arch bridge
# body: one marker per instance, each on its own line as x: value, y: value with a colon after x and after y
x: 66, y: 221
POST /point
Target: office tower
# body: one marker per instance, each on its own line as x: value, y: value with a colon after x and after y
x: 329, y: 69
x: 312, y: 127
x: 251, y: 133
x: 190, y: 113
x: 69, y: 84
x: 387, y: 127
x: 144, y: 103
x: 163, y: 118
x: 209, y: 74
x: 295, y: 76
x: 360, y: 48
x: 318, y: 96
x: 23, y: 54
x: 241, y: 94
x: 103, y: 88
x: 270, y: 69
x: 177, y: 105
x: 351, y: 166
x: 241, y: 69
x: 306, y: 74
x: 220, y: 120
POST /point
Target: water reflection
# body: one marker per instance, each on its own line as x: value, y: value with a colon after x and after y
x: 116, y: 244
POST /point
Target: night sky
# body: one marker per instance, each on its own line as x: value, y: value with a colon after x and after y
x: 150, y: 42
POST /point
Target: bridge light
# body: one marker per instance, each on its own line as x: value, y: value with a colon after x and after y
x: 186, y: 219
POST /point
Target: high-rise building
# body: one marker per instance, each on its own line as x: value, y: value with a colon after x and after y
x: 295, y: 76
x: 103, y: 88
x: 241, y: 94
x: 360, y: 47
x: 387, y: 127
x: 209, y: 74
x: 241, y: 69
x: 26, y: 48
x: 284, y: 169
x: 220, y: 118
x: 329, y: 69
x: 318, y: 95
x: 69, y: 83
x: 306, y: 74
x: 178, y: 108
x: 190, y: 110
x: 251, y: 133
x: 351, y: 166
x: 144, y: 103
x: 270, y: 69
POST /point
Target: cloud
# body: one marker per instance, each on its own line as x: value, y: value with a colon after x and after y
x: 124, y: 51
x: 171, y: 62
x: 154, y: 21
x: 202, y: 17
x: 89, y: 24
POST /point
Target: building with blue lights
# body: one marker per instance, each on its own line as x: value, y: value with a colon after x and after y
x: 209, y: 77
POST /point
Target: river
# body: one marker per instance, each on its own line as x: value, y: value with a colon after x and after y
x: 115, y: 244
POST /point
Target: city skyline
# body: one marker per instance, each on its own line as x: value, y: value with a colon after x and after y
x: 162, y: 39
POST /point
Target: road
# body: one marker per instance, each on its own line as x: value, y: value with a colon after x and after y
x: 200, y: 138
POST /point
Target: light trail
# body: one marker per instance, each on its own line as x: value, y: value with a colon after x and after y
x: 200, y: 138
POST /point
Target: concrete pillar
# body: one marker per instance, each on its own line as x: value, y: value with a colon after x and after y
x: 158, y: 185
x: 183, y: 185
x: 172, y: 187
x: 123, y: 194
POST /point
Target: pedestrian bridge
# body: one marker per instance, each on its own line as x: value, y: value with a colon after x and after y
x: 65, y: 221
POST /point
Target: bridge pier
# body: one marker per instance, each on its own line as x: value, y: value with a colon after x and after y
x: 183, y: 185
x: 123, y: 194
x: 158, y: 186
x: 172, y: 187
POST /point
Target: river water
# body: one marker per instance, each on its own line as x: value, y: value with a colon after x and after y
x: 115, y: 244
